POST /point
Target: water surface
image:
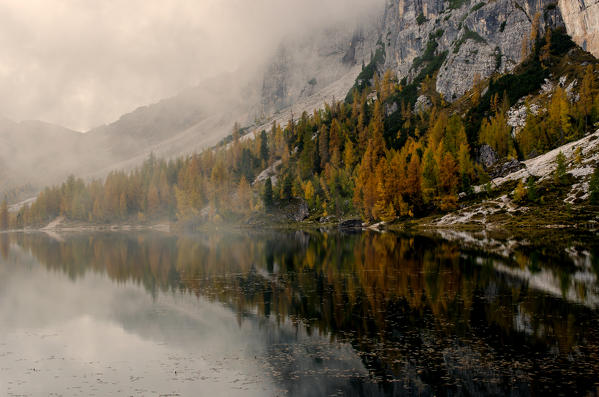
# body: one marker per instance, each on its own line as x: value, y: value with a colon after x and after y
x: 294, y: 313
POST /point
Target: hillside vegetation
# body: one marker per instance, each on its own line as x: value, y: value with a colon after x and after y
x: 392, y: 150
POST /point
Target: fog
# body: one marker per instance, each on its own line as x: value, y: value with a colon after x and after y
x: 82, y: 63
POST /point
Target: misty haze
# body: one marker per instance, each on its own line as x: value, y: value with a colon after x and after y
x: 303, y: 198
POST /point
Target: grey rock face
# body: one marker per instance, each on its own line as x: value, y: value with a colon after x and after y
x: 303, y: 66
x: 487, y: 156
x: 422, y: 104
x: 479, y: 38
x: 296, y: 210
x: 517, y: 114
x: 582, y: 22
x: 458, y: 72
x: 350, y: 224
x: 270, y: 172
x: 505, y: 168
x: 390, y: 109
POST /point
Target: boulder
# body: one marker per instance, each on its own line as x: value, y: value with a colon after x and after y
x: 422, y: 104
x: 505, y: 168
x: 391, y: 108
x: 296, y: 210
x: 350, y: 224
x: 487, y: 156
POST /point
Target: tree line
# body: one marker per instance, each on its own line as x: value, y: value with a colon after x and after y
x: 375, y: 155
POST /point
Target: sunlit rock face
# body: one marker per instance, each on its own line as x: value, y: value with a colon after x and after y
x: 479, y: 38
x: 472, y: 38
x: 582, y: 22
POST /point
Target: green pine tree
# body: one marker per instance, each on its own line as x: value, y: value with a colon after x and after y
x: 531, y: 189
x: 287, y: 191
x: 4, y: 215
x: 264, y: 154
x: 594, y: 187
x: 267, y: 196
x: 559, y: 175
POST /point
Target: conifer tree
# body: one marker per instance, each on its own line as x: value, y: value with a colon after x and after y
x: 545, y: 53
x: 348, y: 155
x: 497, y: 134
x: 594, y: 187
x: 243, y: 196
x: 531, y: 189
x: 578, y: 155
x: 559, y: 175
x: 414, y: 181
x: 524, y: 49
x: 323, y: 146
x: 448, y: 174
x: 287, y: 189
x: 585, y: 102
x: 306, y: 161
x: 4, y: 215
x: 465, y: 165
x: 308, y: 189
x: 267, y: 198
x: 534, y: 31
x: 264, y: 152
x: 430, y: 176
x: 519, y: 192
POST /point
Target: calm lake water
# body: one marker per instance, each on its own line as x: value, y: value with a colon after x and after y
x: 294, y: 313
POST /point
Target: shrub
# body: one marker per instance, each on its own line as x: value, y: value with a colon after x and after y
x: 468, y: 35
x: 559, y: 175
x: 519, y: 193
x: 531, y: 189
x: 594, y: 187
x: 477, y: 7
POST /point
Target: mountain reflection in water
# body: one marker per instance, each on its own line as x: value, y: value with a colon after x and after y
x: 361, y: 314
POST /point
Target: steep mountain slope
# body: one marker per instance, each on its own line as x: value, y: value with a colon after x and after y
x: 303, y: 74
x: 461, y: 40
x: 306, y: 71
x: 582, y: 21
x: 474, y: 38
x: 377, y: 157
x: 35, y: 152
x: 304, y: 66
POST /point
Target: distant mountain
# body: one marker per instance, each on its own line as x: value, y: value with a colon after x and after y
x: 302, y: 74
x: 35, y: 152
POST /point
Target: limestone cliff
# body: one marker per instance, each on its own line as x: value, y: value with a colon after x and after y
x: 305, y: 65
x: 582, y: 22
x: 473, y: 37
x: 477, y: 37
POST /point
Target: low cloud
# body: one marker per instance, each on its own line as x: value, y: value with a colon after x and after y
x: 81, y: 63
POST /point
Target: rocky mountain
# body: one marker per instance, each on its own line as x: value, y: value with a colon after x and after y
x: 306, y: 65
x: 303, y: 73
x: 465, y: 39
x: 582, y: 22
x: 473, y: 38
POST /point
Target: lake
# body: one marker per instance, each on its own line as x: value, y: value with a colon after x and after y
x: 298, y: 313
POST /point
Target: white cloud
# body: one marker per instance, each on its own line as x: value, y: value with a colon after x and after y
x: 80, y: 63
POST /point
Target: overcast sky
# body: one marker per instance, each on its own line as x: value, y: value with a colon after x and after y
x: 81, y: 63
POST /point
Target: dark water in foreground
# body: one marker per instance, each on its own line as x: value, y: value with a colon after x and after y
x: 293, y: 313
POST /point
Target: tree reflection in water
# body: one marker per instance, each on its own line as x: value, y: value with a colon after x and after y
x: 425, y: 315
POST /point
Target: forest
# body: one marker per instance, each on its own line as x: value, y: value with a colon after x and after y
x: 377, y: 154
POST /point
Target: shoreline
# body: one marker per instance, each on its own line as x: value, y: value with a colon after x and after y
x: 506, y: 223
x: 493, y: 238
